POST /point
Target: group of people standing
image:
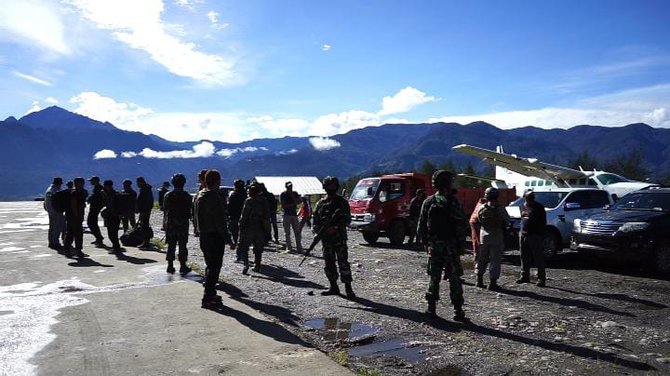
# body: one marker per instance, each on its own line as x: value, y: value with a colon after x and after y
x: 66, y: 209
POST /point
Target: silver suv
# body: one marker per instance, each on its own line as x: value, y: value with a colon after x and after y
x: 563, y: 206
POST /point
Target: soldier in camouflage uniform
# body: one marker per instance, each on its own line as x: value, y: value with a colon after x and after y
x: 253, y: 225
x: 334, y: 237
x: 441, y: 229
x: 177, y: 209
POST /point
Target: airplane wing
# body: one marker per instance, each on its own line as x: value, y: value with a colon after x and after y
x: 524, y: 166
x: 497, y: 183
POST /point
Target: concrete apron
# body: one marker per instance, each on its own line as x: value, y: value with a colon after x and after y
x: 116, y: 316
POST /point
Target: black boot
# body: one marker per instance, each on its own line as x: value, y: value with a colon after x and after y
x: 349, y: 290
x: 493, y: 285
x: 459, y: 315
x: 430, y: 311
x: 333, y: 290
x: 257, y: 262
x: 184, y: 269
x: 480, y: 281
x: 170, y: 268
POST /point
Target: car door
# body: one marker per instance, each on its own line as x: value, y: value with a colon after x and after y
x: 576, y: 205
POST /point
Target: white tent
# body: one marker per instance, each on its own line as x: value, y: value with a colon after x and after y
x: 304, y: 185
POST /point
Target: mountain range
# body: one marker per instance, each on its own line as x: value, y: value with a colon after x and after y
x: 56, y: 142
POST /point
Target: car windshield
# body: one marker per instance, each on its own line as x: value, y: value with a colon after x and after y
x: 657, y: 201
x: 607, y: 179
x: 549, y: 200
x: 365, y: 189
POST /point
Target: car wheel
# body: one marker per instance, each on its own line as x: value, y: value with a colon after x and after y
x: 550, y: 245
x: 662, y: 258
x: 370, y: 236
x: 397, y: 233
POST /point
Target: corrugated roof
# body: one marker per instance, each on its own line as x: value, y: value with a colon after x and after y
x: 304, y: 185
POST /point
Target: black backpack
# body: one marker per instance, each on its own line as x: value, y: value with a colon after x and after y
x: 138, y: 235
x: 60, y: 200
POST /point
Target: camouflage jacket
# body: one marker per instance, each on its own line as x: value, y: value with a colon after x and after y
x: 324, y: 211
x: 255, y: 214
x: 210, y: 213
x: 442, y: 219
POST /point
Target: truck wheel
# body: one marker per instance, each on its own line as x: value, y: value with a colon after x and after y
x: 551, y: 244
x: 370, y: 236
x: 662, y: 258
x: 397, y: 233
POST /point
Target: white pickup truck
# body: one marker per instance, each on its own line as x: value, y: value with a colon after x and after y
x: 563, y: 206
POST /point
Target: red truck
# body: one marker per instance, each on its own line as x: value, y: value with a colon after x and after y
x: 380, y: 205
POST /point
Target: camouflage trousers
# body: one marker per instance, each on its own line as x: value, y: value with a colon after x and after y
x: 176, y: 233
x: 337, y: 256
x: 248, y: 238
x: 442, y: 258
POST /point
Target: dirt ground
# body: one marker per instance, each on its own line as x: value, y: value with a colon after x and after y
x: 592, y: 318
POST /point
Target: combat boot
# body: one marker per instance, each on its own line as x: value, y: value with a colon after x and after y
x: 493, y: 285
x: 480, y: 281
x: 257, y: 263
x: 349, y: 290
x: 430, y: 311
x: 459, y: 314
x: 184, y: 269
x: 333, y: 290
x: 170, y: 267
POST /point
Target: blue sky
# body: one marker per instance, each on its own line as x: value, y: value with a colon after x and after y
x: 236, y: 70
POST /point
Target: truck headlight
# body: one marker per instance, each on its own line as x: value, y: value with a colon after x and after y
x: 577, y: 225
x: 633, y: 226
x: 369, y: 217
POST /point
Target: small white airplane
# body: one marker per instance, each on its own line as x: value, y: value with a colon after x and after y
x: 530, y: 173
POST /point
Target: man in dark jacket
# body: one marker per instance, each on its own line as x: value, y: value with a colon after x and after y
x: 533, y: 226
x: 272, y: 205
x: 211, y: 217
x: 177, y: 209
x: 254, y: 221
x: 414, y: 212
x: 96, y: 202
x: 114, y: 206
x: 74, y: 215
x: 162, y: 191
x: 235, y: 204
x: 145, y: 202
x: 129, y: 203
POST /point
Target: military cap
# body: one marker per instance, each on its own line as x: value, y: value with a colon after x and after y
x: 94, y: 179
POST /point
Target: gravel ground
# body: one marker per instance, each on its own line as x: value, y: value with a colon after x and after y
x: 592, y: 318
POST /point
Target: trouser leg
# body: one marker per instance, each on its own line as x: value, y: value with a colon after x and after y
x: 296, y: 230
x: 79, y: 233
x: 483, y: 258
x: 526, y: 256
x: 273, y: 222
x: 330, y: 268
x: 495, y: 255
x: 92, y: 222
x: 537, y: 251
x: 287, y: 230
x: 435, y: 266
x: 183, y: 250
x: 212, y: 246
x: 342, y: 254
x: 113, y: 233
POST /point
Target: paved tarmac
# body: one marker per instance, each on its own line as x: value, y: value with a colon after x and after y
x: 104, y: 315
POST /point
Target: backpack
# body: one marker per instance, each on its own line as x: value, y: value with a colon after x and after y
x: 60, y: 200
x: 138, y: 235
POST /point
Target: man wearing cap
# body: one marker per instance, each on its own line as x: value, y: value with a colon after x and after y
x: 145, y: 202
x: 56, y: 218
x: 441, y: 229
x: 177, y: 209
x: 127, y: 210
x: 253, y: 223
x: 235, y: 204
x: 75, y: 217
x: 289, y: 202
x: 492, y: 219
x: 114, y: 206
x: 533, y: 226
x: 96, y: 202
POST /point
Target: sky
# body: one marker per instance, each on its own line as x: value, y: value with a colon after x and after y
x: 232, y: 71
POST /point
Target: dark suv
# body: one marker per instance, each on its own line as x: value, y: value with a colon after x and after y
x: 636, y: 227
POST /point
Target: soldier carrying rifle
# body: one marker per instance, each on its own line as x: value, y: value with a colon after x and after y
x: 331, y: 217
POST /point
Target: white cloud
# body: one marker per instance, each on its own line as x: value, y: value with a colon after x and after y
x: 33, y: 22
x: 103, y: 108
x: 128, y: 154
x: 51, y: 100
x: 34, y: 107
x: 105, y: 154
x: 32, y: 79
x: 404, y: 100
x: 332, y: 124
x: 139, y: 25
x: 202, y: 150
x: 213, y: 16
x: 287, y: 152
x: 324, y: 143
x: 326, y: 47
x: 226, y: 153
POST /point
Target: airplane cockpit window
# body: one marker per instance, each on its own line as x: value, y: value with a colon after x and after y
x: 607, y: 179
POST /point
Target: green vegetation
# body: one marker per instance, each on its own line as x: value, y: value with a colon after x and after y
x: 158, y: 243
x: 341, y: 357
x: 368, y: 372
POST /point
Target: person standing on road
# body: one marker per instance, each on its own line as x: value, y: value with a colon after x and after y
x: 162, y: 191
x: 114, y: 207
x: 475, y: 227
x: 75, y: 218
x: 441, y: 229
x: 96, y: 202
x: 253, y: 225
x: 201, y: 186
x: 211, y: 217
x: 533, y: 226
x: 129, y: 203
x: 56, y: 218
x: 493, y: 220
x: 235, y: 204
x: 331, y: 218
x: 145, y: 203
x: 305, y: 214
x: 272, y: 205
x: 289, y: 200
x: 414, y: 213
x: 177, y: 211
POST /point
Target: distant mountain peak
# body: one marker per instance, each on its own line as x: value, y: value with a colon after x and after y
x: 11, y: 119
x: 55, y: 117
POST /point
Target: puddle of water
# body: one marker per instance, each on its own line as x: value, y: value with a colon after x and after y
x: 333, y: 329
x: 393, y: 347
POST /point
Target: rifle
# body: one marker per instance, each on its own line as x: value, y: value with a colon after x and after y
x: 320, y: 234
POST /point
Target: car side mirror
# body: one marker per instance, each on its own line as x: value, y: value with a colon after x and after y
x: 572, y: 206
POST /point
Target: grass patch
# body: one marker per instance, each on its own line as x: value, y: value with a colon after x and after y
x: 368, y: 372
x: 341, y: 357
x: 158, y: 243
